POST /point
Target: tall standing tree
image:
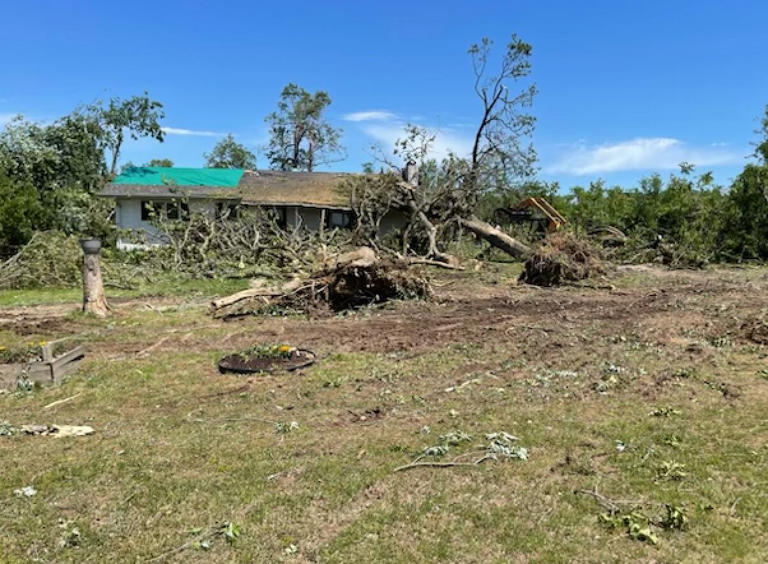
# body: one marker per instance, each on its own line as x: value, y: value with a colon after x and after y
x: 228, y: 153
x: 20, y: 213
x: 300, y: 137
x: 138, y: 116
x: 761, y: 147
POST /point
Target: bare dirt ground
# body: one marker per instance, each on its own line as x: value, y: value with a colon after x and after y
x: 608, y: 387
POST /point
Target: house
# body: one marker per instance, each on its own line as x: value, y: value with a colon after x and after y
x: 308, y: 199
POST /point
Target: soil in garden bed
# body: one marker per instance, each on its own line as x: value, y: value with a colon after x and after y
x: 240, y: 364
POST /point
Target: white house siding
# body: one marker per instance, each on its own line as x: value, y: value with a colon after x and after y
x: 128, y: 216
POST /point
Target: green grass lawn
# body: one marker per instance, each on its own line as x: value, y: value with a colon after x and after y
x: 167, y: 286
x: 649, y: 397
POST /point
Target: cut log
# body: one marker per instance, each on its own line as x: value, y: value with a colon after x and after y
x: 244, y: 295
x: 496, y: 237
x: 259, y: 290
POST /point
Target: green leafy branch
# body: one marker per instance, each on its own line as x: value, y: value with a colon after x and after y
x: 499, y: 446
x: 627, y: 514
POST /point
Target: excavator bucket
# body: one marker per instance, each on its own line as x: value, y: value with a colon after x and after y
x: 534, y: 210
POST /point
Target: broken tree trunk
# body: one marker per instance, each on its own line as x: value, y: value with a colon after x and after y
x: 496, y: 237
x: 433, y: 253
x: 259, y: 290
x: 94, y: 300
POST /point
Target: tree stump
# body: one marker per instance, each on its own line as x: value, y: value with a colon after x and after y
x: 94, y: 300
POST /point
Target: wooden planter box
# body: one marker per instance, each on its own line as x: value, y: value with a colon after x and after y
x: 47, y: 371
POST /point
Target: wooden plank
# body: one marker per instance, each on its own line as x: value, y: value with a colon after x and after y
x: 77, y: 352
x: 62, y: 371
x: 66, y: 363
x: 39, y: 372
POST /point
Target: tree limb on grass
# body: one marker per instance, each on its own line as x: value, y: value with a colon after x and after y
x: 417, y: 464
x: 614, y: 505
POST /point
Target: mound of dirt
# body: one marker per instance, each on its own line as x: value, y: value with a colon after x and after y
x: 560, y: 259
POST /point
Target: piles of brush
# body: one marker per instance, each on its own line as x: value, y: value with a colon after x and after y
x: 347, y: 281
x: 562, y: 258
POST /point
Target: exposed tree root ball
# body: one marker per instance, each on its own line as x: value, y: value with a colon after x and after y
x: 560, y: 259
x: 347, y: 281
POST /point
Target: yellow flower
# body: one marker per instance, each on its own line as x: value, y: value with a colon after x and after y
x: 284, y: 348
x: 2, y: 348
x: 42, y: 343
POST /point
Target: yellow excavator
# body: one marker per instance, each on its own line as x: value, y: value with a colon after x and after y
x: 534, y: 211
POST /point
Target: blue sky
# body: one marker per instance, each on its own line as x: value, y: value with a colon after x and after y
x: 626, y: 87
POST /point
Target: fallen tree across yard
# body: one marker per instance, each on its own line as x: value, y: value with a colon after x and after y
x: 347, y: 281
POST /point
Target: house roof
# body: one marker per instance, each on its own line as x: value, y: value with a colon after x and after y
x: 309, y: 189
x: 164, y: 176
x: 316, y: 189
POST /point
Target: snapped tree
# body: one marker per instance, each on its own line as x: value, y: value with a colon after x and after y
x: 299, y: 136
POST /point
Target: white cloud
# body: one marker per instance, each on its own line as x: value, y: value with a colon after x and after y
x: 370, y: 115
x: 181, y: 131
x: 446, y: 141
x: 657, y: 153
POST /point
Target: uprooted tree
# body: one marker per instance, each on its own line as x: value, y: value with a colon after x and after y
x: 439, y: 198
x: 345, y: 281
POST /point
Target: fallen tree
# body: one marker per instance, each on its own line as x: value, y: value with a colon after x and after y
x: 435, y: 207
x: 347, y: 281
x: 496, y: 237
x: 438, y: 199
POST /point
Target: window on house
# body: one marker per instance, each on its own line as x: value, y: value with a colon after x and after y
x: 227, y: 211
x: 151, y: 210
x: 177, y: 210
x: 279, y: 215
x: 341, y: 219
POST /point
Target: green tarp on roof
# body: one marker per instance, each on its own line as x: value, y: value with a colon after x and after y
x: 160, y: 176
